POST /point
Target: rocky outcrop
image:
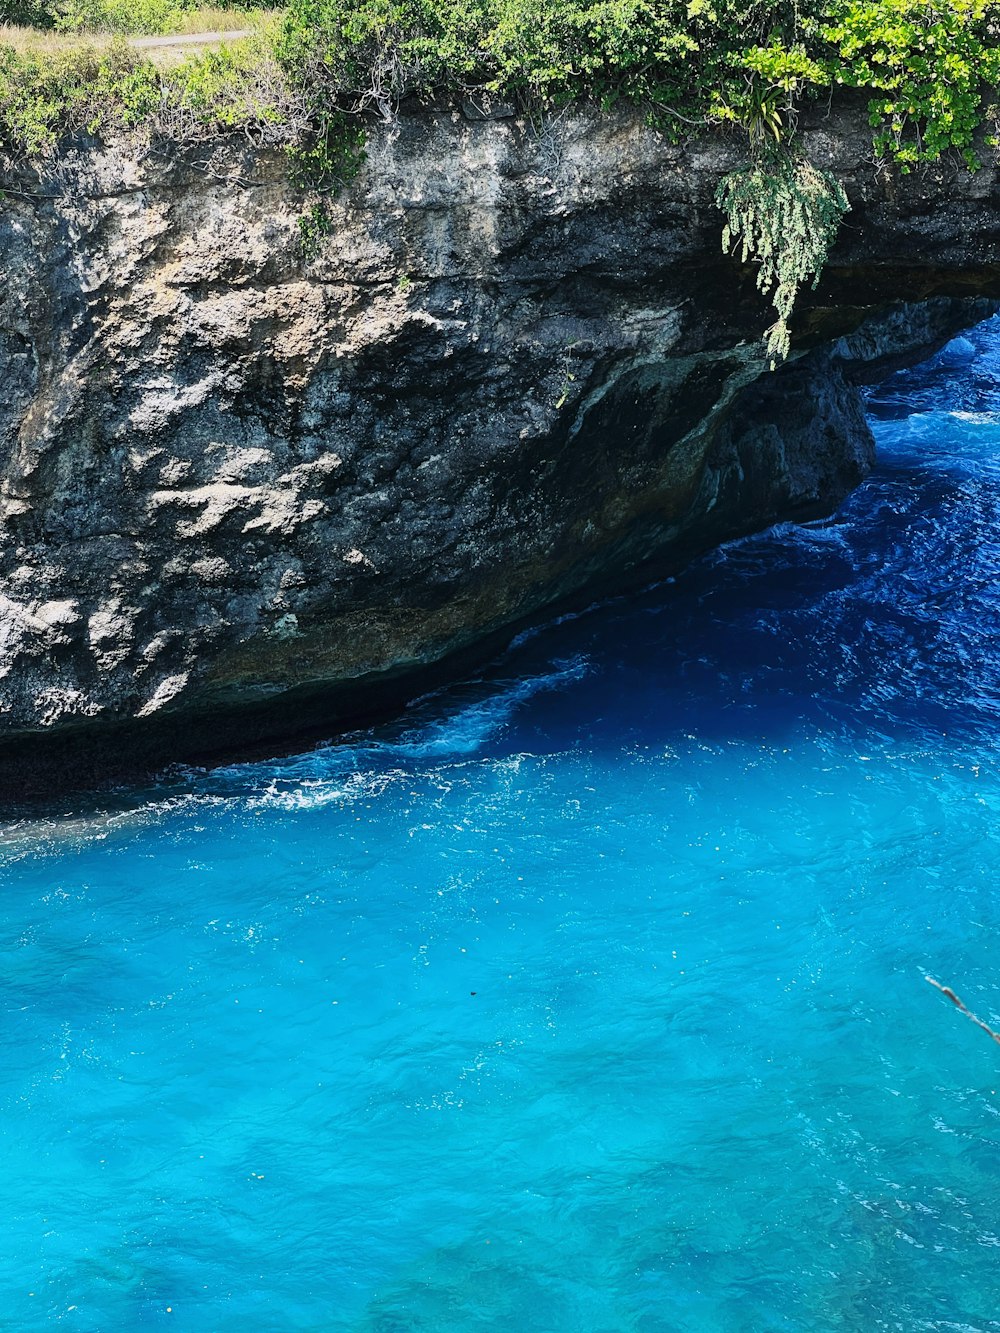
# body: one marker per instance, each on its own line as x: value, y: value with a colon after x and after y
x: 243, y: 495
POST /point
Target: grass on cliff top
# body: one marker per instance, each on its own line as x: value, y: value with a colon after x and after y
x: 197, y: 30
x: 180, y: 23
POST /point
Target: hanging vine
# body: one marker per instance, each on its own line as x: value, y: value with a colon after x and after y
x: 782, y: 213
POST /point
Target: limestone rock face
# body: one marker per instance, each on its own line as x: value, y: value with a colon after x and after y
x: 241, y: 491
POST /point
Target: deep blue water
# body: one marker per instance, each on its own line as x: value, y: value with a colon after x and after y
x: 589, y: 998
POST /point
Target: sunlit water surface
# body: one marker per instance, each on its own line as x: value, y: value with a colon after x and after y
x: 589, y: 998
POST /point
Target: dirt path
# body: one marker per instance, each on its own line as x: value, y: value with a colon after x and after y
x: 189, y: 39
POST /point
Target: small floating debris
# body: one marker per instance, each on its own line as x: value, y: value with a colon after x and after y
x: 946, y: 990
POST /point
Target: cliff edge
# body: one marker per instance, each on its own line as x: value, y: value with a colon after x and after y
x: 246, y: 497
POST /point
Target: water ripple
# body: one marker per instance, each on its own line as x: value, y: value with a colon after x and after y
x: 589, y: 996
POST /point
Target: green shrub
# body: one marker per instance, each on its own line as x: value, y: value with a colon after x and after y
x: 121, y: 16
x: 45, y: 96
x: 928, y: 63
x: 128, y: 17
x: 27, y: 13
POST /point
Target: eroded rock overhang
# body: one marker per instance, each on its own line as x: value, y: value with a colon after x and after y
x: 243, y: 496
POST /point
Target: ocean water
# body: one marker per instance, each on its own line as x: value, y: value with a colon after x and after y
x: 587, y: 998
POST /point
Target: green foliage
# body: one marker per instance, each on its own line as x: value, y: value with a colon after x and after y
x: 314, y: 224
x: 27, y: 13
x: 121, y: 16
x: 784, y: 214
x: 928, y: 63
x: 605, y: 51
x: 749, y: 62
x: 775, y: 77
x: 126, y: 17
x: 538, y: 53
x: 83, y: 89
x: 46, y: 96
x: 226, y: 88
x: 331, y: 152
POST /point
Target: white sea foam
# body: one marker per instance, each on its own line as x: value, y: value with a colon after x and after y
x: 351, y: 772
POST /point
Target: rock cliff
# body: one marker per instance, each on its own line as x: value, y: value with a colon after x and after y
x: 244, y: 496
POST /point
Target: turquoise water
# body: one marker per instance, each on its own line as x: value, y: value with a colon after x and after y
x: 589, y: 997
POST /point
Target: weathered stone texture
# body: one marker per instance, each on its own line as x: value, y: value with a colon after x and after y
x: 520, y: 369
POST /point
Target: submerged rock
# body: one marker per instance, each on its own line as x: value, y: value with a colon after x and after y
x: 244, y: 496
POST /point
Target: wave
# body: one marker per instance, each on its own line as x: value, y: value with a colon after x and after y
x: 439, y: 731
x: 363, y: 766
